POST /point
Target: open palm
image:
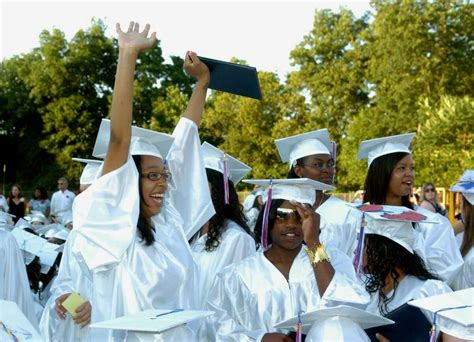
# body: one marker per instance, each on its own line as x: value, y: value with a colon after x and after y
x: 135, y: 40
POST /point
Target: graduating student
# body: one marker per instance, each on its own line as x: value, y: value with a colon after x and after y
x: 131, y: 222
x: 287, y: 277
x: 225, y: 238
x: 465, y: 186
x: 310, y: 155
x: 389, y: 180
x: 394, y: 273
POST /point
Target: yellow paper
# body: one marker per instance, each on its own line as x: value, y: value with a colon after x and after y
x: 73, y: 302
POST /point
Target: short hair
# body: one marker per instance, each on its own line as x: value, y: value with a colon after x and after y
x: 64, y: 179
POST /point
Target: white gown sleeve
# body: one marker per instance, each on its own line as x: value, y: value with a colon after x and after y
x: 105, y: 217
x: 465, y: 277
x: 442, y: 254
x: 189, y: 188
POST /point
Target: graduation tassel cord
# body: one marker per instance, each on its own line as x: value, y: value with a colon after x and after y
x: 266, y: 212
x: 299, y: 328
x: 357, y: 261
x: 226, y: 181
x: 433, y: 334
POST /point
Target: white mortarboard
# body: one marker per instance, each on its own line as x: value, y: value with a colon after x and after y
x: 465, y: 185
x: 453, y: 312
x: 6, y: 218
x: 378, y: 147
x: 65, y: 217
x: 89, y: 173
x: 38, y: 246
x: 22, y: 224
x: 301, y: 145
x: 362, y: 318
x: 143, y: 142
x: 302, y: 190
x: 57, y: 231
x: 214, y: 159
x: 15, y: 320
x: 38, y: 216
x: 395, y: 223
x: 153, y: 321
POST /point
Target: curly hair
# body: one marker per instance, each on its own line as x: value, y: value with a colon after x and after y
x: 378, y: 179
x: 274, y: 205
x: 144, y: 227
x: 383, y: 257
x: 232, y: 211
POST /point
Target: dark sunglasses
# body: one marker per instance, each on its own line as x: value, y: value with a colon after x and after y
x: 283, y: 214
x: 430, y: 190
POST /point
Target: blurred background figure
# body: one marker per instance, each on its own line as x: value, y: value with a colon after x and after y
x: 62, y: 199
x: 40, y: 202
x: 429, y: 199
x: 252, y: 205
x: 3, y: 204
x: 16, y: 202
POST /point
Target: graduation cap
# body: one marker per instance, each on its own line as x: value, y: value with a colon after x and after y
x: 339, y: 323
x: 465, y: 185
x: 6, y: 219
x: 37, y: 217
x: 89, y: 173
x: 218, y: 160
x: 153, y: 321
x: 302, y: 145
x: 378, y: 147
x: 143, y: 142
x: 392, y: 222
x: 301, y: 190
x: 57, y: 231
x: 14, y: 324
x: 453, y: 313
x: 233, y: 78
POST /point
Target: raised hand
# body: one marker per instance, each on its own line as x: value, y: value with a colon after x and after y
x: 310, y: 223
x: 195, y: 68
x: 133, y: 40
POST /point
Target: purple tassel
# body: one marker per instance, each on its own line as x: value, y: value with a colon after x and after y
x: 226, y: 181
x: 357, y: 261
x: 299, y: 328
x: 266, y: 212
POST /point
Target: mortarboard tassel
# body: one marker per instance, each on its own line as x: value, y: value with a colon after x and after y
x: 299, y: 328
x: 433, y: 334
x: 226, y: 181
x: 357, y: 261
x: 266, y: 212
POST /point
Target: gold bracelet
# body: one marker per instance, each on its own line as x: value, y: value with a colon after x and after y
x: 317, y: 254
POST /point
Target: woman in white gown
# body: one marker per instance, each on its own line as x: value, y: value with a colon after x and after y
x: 393, y: 272
x: 465, y: 185
x: 251, y: 296
x: 389, y: 180
x: 131, y: 222
x: 225, y: 238
x: 310, y: 155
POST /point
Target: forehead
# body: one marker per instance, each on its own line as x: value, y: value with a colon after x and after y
x: 318, y: 157
x: 151, y: 162
x: 408, y: 159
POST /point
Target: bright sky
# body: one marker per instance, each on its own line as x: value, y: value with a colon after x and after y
x: 262, y: 33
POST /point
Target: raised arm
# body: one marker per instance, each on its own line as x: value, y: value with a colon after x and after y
x: 198, y: 70
x: 131, y: 43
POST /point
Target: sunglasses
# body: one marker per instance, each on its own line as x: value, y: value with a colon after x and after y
x: 283, y: 214
x: 430, y: 190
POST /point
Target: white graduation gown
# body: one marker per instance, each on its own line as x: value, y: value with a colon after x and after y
x: 235, y: 245
x: 127, y: 275
x: 251, y: 296
x: 436, y: 244
x: 340, y: 224
x: 409, y: 288
x: 14, y: 284
x: 72, y: 277
x: 465, y: 277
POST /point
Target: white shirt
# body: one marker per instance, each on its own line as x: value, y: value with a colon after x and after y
x: 61, y: 201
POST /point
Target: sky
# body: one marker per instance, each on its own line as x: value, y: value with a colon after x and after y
x: 262, y: 33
